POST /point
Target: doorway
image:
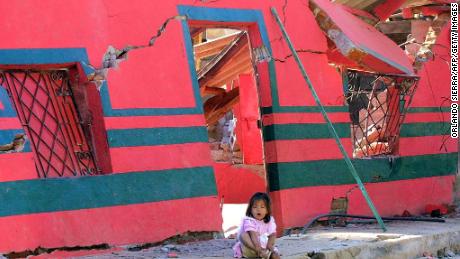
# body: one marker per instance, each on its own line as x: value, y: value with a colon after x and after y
x: 227, y: 78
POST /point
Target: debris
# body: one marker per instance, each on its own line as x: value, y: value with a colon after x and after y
x: 338, y: 205
x: 441, y: 253
x: 112, y: 57
x: 261, y: 54
x: 449, y: 253
x: 171, y: 247
x: 427, y: 254
x: 17, y: 145
x: 219, y: 105
x: 436, y: 210
x: 406, y: 214
x: 172, y: 255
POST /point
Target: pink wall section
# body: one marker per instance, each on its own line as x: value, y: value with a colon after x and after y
x: 237, y: 184
x: 300, y: 204
x: 321, y: 74
x: 57, y: 24
x: 427, y: 145
x: 141, y: 223
x: 10, y: 123
x: 434, y: 85
x: 309, y: 40
x: 152, y: 77
x: 305, y: 150
x: 161, y: 157
x: 17, y: 166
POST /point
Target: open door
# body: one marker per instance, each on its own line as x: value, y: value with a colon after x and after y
x: 228, y: 88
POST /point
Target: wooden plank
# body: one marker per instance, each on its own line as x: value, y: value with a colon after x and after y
x: 212, y: 90
x: 213, y: 47
x: 223, y: 57
x: 219, y: 105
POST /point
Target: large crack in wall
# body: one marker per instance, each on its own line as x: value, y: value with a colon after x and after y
x: 113, y: 56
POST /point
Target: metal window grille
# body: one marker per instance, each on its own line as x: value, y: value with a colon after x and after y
x: 46, y: 108
x: 377, y: 105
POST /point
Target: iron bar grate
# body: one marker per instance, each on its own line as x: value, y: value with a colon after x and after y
x: 45, y: 106
x: 378, y: 105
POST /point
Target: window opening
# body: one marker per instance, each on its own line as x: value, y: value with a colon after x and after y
x: 377, y: 106
x: 46, y: 108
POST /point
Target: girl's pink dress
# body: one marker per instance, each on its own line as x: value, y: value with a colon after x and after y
x: 251, y: 224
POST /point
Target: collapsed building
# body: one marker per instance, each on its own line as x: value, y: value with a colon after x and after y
x: 114, y: 132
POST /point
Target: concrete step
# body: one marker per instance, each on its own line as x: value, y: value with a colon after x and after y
x: 402, y: 240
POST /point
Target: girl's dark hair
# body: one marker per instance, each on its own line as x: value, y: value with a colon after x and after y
x: 257, y: 197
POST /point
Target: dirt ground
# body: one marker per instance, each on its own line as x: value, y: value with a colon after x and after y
x: 433, y: 240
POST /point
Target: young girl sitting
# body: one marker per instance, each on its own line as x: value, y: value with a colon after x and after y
x: 257, y: 233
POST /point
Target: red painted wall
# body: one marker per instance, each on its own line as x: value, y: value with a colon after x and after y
x: 140, y: 223
x: 390, y: 199
x: 237, y: 184
x: 434, y: 85
x: 159, y: 77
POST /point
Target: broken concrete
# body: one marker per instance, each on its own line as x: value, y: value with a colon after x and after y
x: 17, y: 145
x: 402, y: 240
x: 112, y: 57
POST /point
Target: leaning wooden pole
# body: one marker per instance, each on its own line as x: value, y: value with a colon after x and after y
x: 330, y: 126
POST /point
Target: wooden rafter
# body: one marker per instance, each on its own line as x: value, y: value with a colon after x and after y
x: 213, y: 47
x: 217, y: 106
x: 232, y: 61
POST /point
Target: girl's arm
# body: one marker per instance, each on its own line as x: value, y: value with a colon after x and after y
x: 255, y: 241
x: 250, y: 239
x: 271, y: 241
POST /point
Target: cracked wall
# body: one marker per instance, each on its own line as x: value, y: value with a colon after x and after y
x: 156, y: 132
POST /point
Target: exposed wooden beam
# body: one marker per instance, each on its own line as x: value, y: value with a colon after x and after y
x: 223, y: 57
x: 211, y: 90
x: 217, y: 106
x: 213, y: 47
x: 222, y: 78
x: 236, y: 61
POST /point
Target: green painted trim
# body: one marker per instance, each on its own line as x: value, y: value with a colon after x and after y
x: 320, y: 131
x: 156, y: 136
x: 334, y: 172
x: 63, y: 194
x: 304, y: 131
x: 302, y: 109
x: 428, y: 109
x: 313, y: 109
x: 424, y: 129
x: 191, y: 64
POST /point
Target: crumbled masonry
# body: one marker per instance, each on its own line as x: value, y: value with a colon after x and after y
x: 113, y: 57
x: 17, y: 145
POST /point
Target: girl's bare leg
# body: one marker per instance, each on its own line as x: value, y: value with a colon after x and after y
x: 245, y: 238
